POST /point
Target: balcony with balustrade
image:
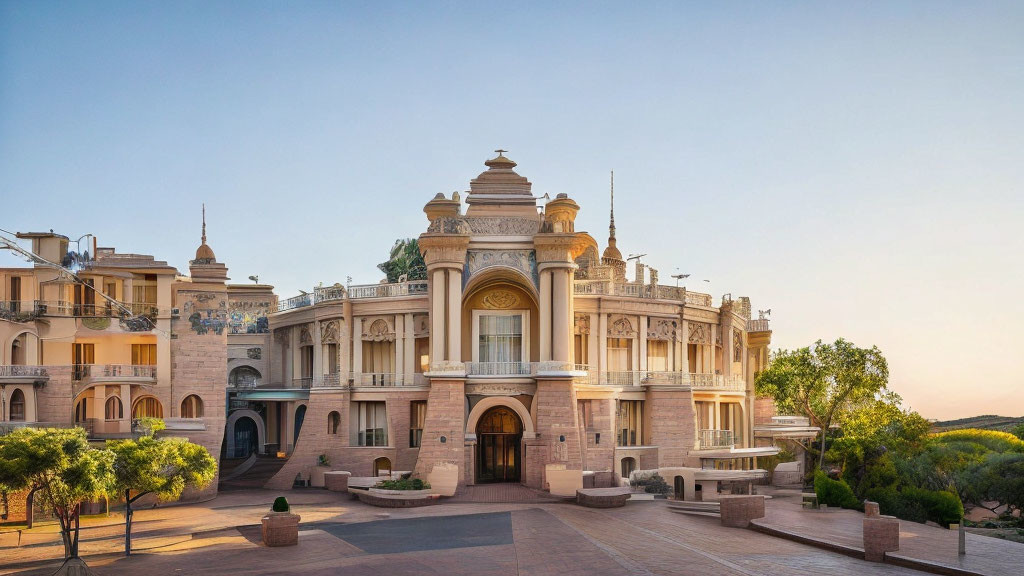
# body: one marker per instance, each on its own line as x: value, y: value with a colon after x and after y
x: 637, y: 290
x: 639, y: 378
x: 87, y: 375
x: 338, y: 293
x: 18, y: 374
x: 709, y: 439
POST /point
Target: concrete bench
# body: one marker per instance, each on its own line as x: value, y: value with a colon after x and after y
x: 603, y: 497
x: 336, y: 480
x: 738, y: 511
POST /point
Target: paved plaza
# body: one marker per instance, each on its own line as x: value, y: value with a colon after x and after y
x: 340, y: 535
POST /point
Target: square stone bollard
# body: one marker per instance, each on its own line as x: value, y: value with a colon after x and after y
x: 738, y: 511
x: 444, y: 478
x: 281, y: 529
x: 871, y: 509
x: 336, y: 480
x: 881, y: 535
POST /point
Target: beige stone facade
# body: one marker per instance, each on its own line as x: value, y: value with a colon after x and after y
x: 530, y: 351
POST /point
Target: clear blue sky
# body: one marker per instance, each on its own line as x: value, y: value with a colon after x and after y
x: 856, y: 167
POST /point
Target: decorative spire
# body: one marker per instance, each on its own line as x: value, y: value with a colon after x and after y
x: 204, y: 222
x: 611, y: 222
x: 204, y: 255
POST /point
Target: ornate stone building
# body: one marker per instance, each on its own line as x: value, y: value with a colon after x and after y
x: 520, y: 352
x: 130, y: 339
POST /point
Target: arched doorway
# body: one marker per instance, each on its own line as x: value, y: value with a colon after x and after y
x: 627, y: 467
x: 381, y: 465
x: 246, y: 437
x: 499, y: 435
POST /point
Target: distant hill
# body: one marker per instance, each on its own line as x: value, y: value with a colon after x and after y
x: 987, y: 422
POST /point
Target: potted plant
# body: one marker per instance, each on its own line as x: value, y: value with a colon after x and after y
x: 280, y: 526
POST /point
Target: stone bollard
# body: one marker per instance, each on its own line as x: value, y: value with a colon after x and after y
x: 281, y: 529
x: 881, y: 535
x: 738, y: 511
x: 871, y: 509
x: 336, y: 480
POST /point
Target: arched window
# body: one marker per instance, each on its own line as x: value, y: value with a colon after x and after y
x: 113, y: 410
x: 147, y: 407
x: 381, y: 466
x: 17, y: 406
x: 628, y: 466
x: 333, y: 421
x: 82, y: 410
x: 192, y: 407
x: 244, y: 377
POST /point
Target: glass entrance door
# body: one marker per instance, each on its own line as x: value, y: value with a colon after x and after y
x: 499, y: 437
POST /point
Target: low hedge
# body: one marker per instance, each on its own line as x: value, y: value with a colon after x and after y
x: 403, y: 484
x: 834, y: 493
x: 918, y: 504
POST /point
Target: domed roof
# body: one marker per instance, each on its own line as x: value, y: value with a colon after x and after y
x: 611, y: 252
x: 204, y: 252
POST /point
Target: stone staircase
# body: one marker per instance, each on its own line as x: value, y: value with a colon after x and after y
x: 258, y: 474
x: 695, y: 508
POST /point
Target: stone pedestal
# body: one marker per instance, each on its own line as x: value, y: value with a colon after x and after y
x: 336, y: 480
x: 871, y: 509
x: 444, y: 479
x: 881, y: 535
x: 738, y: 511
x: 281, y: 529
x: 316, y: 476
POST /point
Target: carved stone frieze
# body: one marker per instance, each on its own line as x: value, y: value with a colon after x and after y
x: 503, y: 226
x: 700, y: 333
x: 305, y: 335
x: 521, y: 260
x: 501, y: 389
x: 581, y: 324
x: 500, y: 300
x: 378, y: 329
x: 662, y: 329
x: 421, y: 326
x: 329, y: 332
x: 737, y: 346
x: 449, y: 225
x: 620, y: 327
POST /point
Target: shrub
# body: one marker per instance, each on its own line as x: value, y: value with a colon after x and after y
x: 834, y: 492
x: 280, y: 504
x: 403, y: 484
x: 993, y: 440
x: 939, y: 506
x: 656, y: 485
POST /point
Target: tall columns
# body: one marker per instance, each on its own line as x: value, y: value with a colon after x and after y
x: 560, y: 323
x: 409, y: 365
x: 357, y: 346
x: 400, y: 348
x: 684, y: 338
x: 318, y: 354
x: 438, y: 289
x: 545, y: 315
x: 642, y: 339
x: 454, y: 315
x: 602, y: 336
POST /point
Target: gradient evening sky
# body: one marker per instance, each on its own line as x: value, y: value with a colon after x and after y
x: 858, y: 167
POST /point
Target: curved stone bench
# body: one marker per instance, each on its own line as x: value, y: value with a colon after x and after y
x: 395, y: 498
x: 603, y: 497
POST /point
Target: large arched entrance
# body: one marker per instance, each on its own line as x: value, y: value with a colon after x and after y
x: 499, y: 435
x: 246, y: 438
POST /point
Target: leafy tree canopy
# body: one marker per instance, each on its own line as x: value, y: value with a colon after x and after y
x: 825, y: 381
x: 405, y: 259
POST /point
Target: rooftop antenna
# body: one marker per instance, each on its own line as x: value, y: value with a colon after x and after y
x: 679, y: 277
x: 636, y: 256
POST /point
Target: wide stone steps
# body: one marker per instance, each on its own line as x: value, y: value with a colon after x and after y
x: 712, y: 509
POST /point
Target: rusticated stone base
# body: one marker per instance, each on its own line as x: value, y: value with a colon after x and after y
x: 881, y: 535
x: 738, y: 511
x: 281, y: 529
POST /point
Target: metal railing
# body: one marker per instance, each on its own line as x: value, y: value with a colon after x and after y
x: 627, y: 378
x: 101, y: 309
x: 302, y: 382
x: 20, y: 371
x: 707, y: 439
x: 84, y: 371
x: 300, y: 301
x: 499, y: 368
x: 329, y: 293
x: 718, y: 382
x: 332, y: 380
x: 375, y: 380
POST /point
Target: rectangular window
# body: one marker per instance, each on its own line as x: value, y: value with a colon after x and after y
x: 331, y: 354
x: 82, y: 356
x: 422, y: 355
x: 144, y: 354
x: 630, y: 417
x: 85, y: 298
x: 379, y: 359
x: 369, y: 424
x: 15, y: 294
x: 657, y: 355
x: 417, y: 419
x: 306, y: 361
x: 620, y: 358
x: 501, y: 338
x: 144, y: 293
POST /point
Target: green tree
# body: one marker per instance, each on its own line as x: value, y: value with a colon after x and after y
x: 164, y: 467
x: 1018, y: 431
x: 65, y: 470
x: 405, y: 259
x: 824, y: 382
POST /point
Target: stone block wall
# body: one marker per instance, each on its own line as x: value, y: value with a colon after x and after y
x: 446, y: 417
x: 315, y: 438
x: 54, y: 401
x: 557, y: 418
x: 599, y: 455
x: 672, y: 424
